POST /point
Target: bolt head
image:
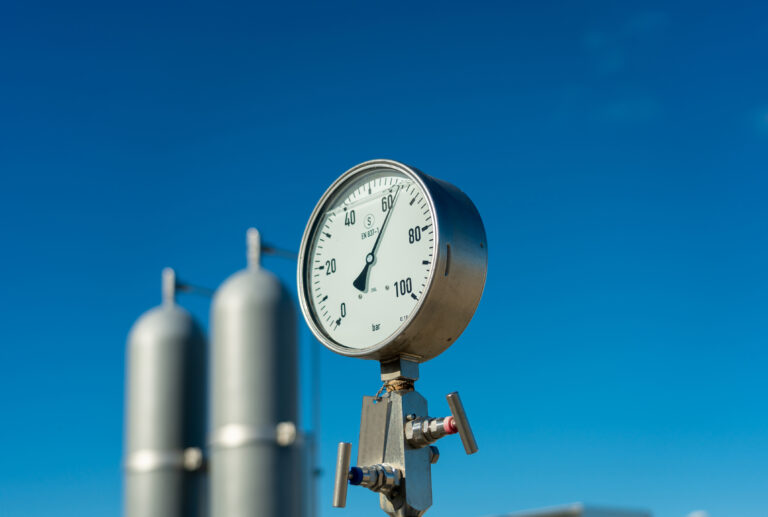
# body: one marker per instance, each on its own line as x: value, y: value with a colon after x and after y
x: 409, y: 431
x: 434, y: 454
x: 193, y: 459
x: 285, y: 433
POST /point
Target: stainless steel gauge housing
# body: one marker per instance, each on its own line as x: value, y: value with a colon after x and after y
x: 392, y: 263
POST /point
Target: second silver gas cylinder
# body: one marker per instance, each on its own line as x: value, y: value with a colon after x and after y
x: 255, y: 446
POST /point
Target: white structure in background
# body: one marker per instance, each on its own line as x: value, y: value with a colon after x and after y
x: 579, y: 510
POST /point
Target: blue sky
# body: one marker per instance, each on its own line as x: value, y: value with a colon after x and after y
x: 618, y: 154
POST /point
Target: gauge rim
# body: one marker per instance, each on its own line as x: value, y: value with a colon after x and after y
x: 310, y: 232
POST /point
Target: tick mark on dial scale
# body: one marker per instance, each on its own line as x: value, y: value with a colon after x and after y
x: 338, y: 322
x: 413, y: 296
x: 327, y: 234
x: 324, y: 298
x: 425, y: 262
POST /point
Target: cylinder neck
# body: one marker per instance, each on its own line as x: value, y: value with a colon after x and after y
x: 168, y: 286
x: 253, y: 244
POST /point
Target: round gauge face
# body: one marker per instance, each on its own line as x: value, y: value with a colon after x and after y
x: 369, y: 257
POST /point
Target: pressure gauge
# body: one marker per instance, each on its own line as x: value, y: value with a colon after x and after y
x: 392, y: 263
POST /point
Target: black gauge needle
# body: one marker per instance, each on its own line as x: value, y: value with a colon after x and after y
x: 361, y: 282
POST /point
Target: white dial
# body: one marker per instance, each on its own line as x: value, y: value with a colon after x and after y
x: 370, y: 258
x: 392, y: 263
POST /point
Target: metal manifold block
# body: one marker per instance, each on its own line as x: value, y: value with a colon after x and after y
x: 395, y: 452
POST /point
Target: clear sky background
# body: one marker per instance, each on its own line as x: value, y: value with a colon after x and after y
x: 617, y: 152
